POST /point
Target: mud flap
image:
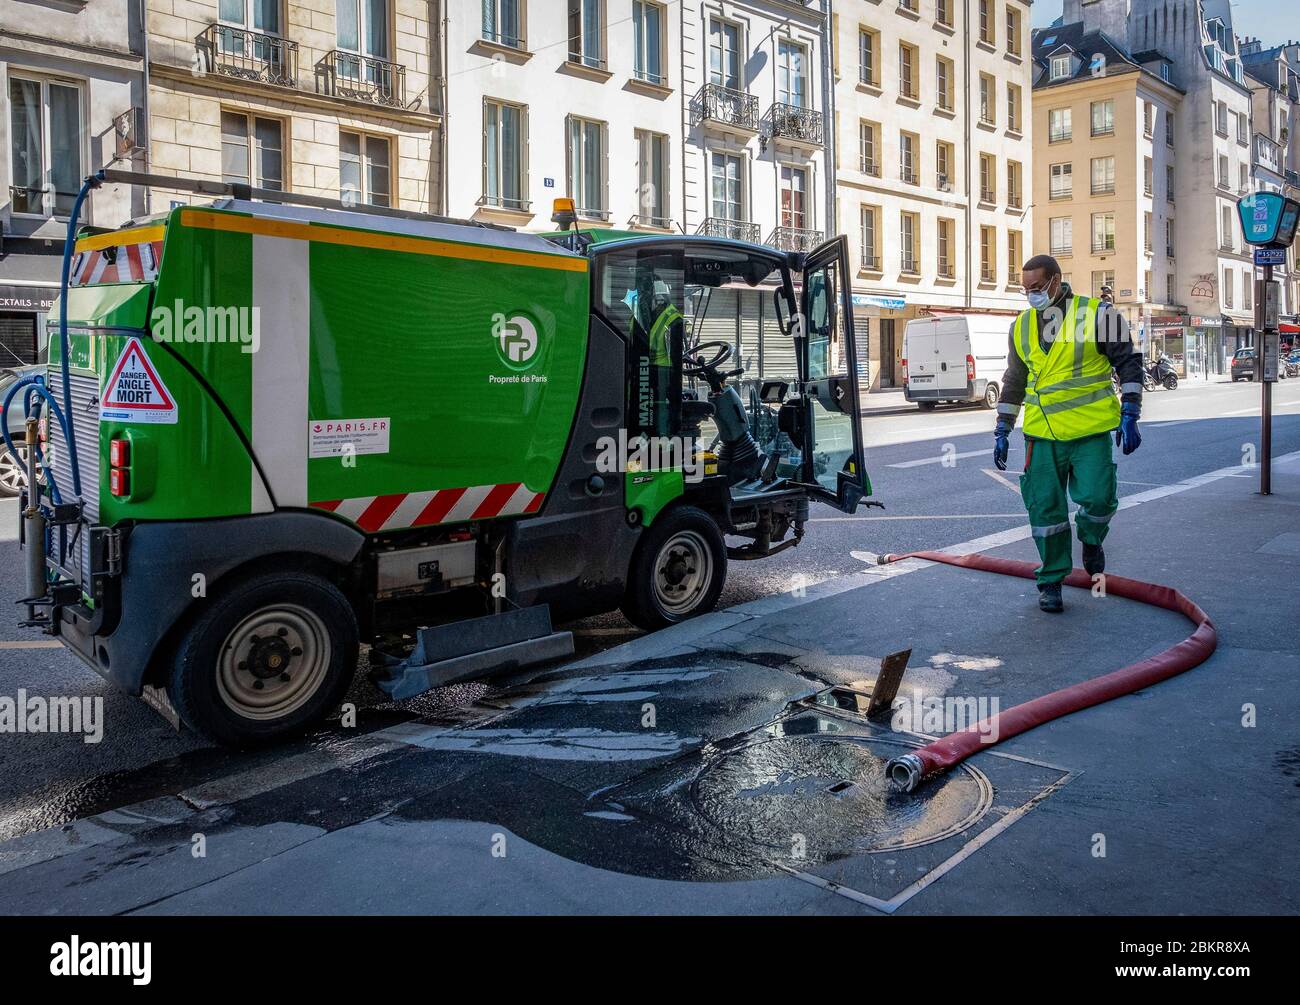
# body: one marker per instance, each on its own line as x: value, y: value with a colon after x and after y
x: 466, y: 650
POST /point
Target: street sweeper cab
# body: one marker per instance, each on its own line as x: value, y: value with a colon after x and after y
x: 271, y: 433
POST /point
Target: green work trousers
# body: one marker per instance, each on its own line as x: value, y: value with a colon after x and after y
x: 1084, y: 469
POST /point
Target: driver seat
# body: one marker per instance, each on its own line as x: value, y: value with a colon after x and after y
x: 694, y: 412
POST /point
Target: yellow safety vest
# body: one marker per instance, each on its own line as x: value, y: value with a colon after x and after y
x: 1069, y: 393
x: 660, y: 350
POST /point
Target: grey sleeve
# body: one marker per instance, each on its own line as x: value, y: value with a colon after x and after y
x: 1115, y: 341
x: 1013, y: 380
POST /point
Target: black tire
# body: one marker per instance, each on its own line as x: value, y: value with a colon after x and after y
x: 13, y: 474
x: 669, y: 557
x: 211, y: 694
x: 1171, y: 383
x: 927, y: 406
x: 991, y: 395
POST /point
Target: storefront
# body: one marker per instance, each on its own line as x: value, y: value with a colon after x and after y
x: 878, y: 322
x: 1167, y: 333
x: 22, y: 322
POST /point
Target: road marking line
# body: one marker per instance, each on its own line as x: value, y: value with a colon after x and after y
x: 31, y: 645
x: 938, y: 460
x: 1002, y: 479
x: 918, y: 516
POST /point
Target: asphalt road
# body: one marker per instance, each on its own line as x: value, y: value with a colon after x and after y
x: 47, y: 780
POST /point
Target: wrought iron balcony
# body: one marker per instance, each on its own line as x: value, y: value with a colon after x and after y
x: 1013, y: 277
x: 725, y: 106
x: 365, y: 78
x: 794, y: 239
x: 870, y: 261
x: 942, y: 182
x: 248, y: 55
x: 870, y: 167
x: 908, y: 176
x: 735, y: 230
x: 793, y: 122
x: 1103, y: 247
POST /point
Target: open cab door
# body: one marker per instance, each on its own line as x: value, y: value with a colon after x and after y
x: 832, y: 455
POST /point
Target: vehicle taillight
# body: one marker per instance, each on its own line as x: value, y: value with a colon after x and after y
x: 970, y: 367
x: 902, y: 366
x: 119, y: 465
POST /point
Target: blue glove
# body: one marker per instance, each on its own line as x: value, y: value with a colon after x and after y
x: 1127, y: 435
x: 1001, y: 443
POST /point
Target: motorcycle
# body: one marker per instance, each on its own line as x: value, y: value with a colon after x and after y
x: 1160, y: 371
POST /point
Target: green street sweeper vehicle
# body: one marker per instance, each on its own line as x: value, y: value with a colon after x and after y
x: 270, y: 433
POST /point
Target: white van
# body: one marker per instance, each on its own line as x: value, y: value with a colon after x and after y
x: 958, y: 357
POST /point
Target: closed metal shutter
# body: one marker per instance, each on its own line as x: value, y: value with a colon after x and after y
x: 862, y: 340
x: 776, y: 348
x: 17, y: 339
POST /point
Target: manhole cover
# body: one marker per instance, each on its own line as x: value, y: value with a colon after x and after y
x: 820, y: 799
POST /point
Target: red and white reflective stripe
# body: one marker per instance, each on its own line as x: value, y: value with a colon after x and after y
x: 422, y: 509
x: 133, y: 263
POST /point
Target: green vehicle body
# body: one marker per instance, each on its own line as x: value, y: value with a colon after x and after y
x: 301, y: 426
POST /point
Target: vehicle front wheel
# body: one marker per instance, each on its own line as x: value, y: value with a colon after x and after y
x: 270, y: 657
x: 13, y: 471
x: 1171, y: 383
x: 677, y: 571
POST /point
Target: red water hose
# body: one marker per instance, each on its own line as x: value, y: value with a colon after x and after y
x: 909, y: 770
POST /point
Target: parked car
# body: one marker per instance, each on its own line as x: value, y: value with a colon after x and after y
x: 13, y: 470
x: 957, y: 358
x: 1243, y: 364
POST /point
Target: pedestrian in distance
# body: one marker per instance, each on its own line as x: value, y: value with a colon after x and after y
x: 1062, y: 351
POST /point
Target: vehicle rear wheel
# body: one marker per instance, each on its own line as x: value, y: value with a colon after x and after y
x: 13, y: 471
x: 927, y: 406
x: 269, y: 658
x: 677, y: 571
x: 1171, y: 383
x: 991, y: 395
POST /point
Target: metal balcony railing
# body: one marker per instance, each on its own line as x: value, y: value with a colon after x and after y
x: 793, y: 122
x: 987, y: 195
x: 1013, y: 277
x: 365, y: 78
x: 987, y: 275
x: 248, y: 55
x: 650, y: 220
x: 1103, y: 247
x: 870, y: 262
x: 505, y: 202
x: 794, y: 239
x: 1103, y: 188
x: 715, y: 103
x: 1013, y: 201
x: 908, y: 176
x: 871, y: 168
x: 735, y: 230
x: 908, y: 266
x: 503, y: 37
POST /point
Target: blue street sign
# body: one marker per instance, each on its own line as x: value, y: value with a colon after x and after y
x: 1270, y: 256
x: 1268, y: 218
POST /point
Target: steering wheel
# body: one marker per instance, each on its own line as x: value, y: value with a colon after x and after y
x: 693, y: 366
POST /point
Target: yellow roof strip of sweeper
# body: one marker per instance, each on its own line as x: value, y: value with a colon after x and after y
x: 121, y: 238
x: 294, y: 230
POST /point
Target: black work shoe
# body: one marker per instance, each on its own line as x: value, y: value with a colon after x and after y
x: 1094, y: 559
x: 1049, y: 598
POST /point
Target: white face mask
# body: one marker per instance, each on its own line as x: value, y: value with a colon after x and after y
x: 1038, y: 299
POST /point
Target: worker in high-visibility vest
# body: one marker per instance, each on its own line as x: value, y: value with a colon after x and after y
x: 1059, y: 367
x: 653, y: 317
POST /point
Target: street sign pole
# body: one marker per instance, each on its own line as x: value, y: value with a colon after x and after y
x: 1266, y: 385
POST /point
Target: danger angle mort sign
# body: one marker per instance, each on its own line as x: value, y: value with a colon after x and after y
x: 134, y: 392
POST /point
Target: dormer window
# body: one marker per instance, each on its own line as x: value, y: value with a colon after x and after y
x: 1062, y: 67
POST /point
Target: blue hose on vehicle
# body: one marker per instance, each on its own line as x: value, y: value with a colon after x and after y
x: 92, y: 181
x: 35, y: 382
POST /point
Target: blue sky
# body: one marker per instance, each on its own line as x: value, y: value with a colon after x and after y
x: 1272, y: 20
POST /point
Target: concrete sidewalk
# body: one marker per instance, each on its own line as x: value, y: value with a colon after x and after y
x: 723, y: 766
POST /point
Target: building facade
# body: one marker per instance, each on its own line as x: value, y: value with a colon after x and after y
x: 1105, y: 174
x: 933, y: 140
x: 71, y: 87
x: 576, y: 98
x: 1274, y: 79
x: 339, y: 99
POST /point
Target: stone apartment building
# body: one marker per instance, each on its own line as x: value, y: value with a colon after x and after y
x: 71, y: 90
x: 1105, y: 173
x: 328, y: 98
x: 1274, y: 78
x: 577, y: 98
x: 933, y: 150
